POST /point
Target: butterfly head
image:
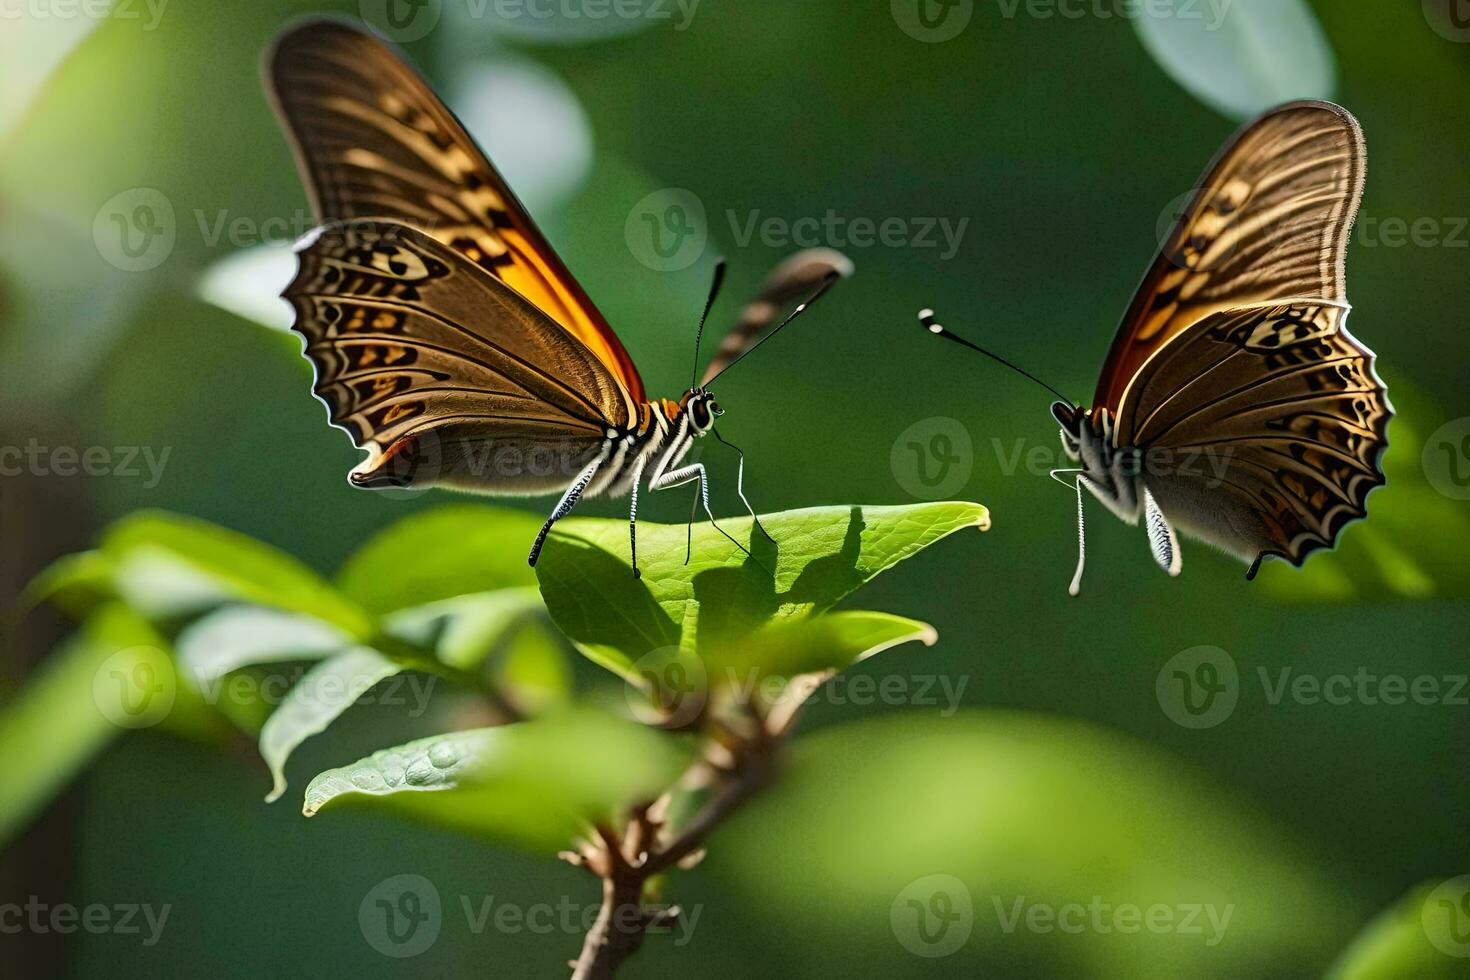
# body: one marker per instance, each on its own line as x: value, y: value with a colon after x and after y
x: 702, y: 408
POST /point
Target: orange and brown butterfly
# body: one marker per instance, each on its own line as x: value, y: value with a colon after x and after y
x: 449, y: 340
x: 1234, y: 404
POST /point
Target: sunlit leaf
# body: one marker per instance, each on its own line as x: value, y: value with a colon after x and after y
x: 324, y: 692
x: 465, y: 630
x: 236, y: 637
x: 439, y: 554
x: 249, y: 283
x: 536, y: 783
x: 1399, y: 944
x: 721, y: 595
x: 168, y: 564
x: 789, y: 647
x: 1243, y: 56
x: 74, y: 583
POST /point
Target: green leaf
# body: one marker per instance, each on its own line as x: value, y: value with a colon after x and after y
x: 833, y: 641
x: 75, y: 583
x: 1417, y: 938
x: 535, y: 783
x: 1242, y: 57
x: 168, y: 565
x: 721, y: 596
x: 323, y: 693
x: 533, y: 670
x: 113, y: 675
x: 439, y: 554
x: 467, y: 629
x: 238, y: 636
x: 1414, y: 542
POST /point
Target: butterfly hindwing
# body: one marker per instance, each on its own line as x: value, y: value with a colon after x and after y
x: 419, y: 352
x: 373, y: 141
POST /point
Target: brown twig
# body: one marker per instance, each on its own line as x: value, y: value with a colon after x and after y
x: 626, y: 863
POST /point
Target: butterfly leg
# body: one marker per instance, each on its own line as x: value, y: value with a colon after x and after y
x: 740, y: 486
x: 564, y: 507
x: 695, y: 471
x: 1161, y: 536
x: 1075, y: 589
x: 633, y: 515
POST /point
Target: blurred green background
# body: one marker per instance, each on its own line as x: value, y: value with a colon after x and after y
x: 1060, y: 142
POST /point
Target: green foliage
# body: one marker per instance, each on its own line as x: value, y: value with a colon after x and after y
x: 1397, y: 944
x: 712, y: 604
x: 536, y: 783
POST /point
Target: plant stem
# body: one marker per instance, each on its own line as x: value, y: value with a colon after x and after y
x: 626, y: 863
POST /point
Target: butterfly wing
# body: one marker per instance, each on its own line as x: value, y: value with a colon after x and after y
x: 1262, y: 429
x: 373, y: 141
x: 441, y: 371
x: 1269, y: 223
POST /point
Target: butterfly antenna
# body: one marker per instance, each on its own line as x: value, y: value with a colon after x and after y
x: 926, y: 317
x: 820, y: 291
x: 709, y: 304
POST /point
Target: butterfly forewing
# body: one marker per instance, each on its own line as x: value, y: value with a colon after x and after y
x: 1268, y: 224
x: 410, y: 338
x: 373, y: 141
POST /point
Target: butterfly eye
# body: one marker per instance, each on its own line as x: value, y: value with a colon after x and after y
x: 715, y: 407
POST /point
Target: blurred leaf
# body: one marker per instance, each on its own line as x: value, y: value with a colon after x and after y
x: 463, y: 631
x: 1023, y: 810
x: 168, y: 564
x: 75, y: 584
x: 249, y: 283
x: 30, y: 48
x: 1241, y: 57
x: 720, y: 596
x: 235, y: 637
x: 323, y: 693
x: 69, y: 710
x: 1395, y: 945
x: 439, y: 554
x: 536, y: 783
x: 533, y: 669
x: 789, y: 647
x: 1414, y: 541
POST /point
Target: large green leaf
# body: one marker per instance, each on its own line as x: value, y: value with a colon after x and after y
x: 467, y: 629
x: 1421, y: 937
x: 324, y: 692
x: 1243, y: 56
x: 446, y: 552
x: 536, y: 783
x: 721, y: 595
x: 169, y: 565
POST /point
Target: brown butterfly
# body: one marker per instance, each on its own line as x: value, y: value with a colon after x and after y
x: 1234, y: 404
x: 448, y: 338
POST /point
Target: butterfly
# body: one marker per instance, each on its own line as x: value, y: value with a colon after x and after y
x: 1234, y: 404
x: 448, y: 339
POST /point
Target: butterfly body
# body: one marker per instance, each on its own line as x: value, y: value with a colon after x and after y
x: 448, y: 338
